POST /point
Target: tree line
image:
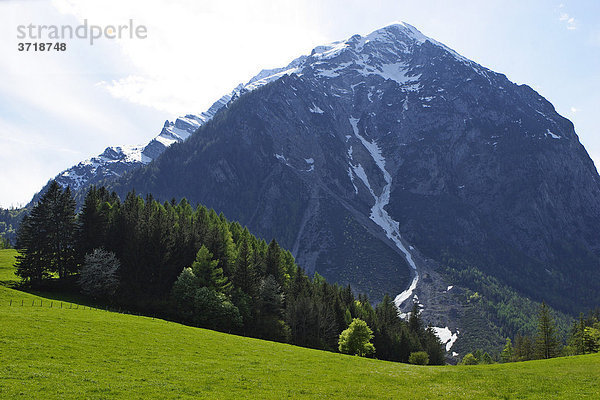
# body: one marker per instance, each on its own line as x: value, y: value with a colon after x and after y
x: 192, y: 265
x: 545, y: 343
x: 9, y: 221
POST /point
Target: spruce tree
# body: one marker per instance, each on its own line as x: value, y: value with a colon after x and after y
x: 32, y: 264
x: 547, y: 344
x: 415, y: 323
x: 270, y: 307
x: 577, y: 339
x: 523, y: 348
x: 272, y: 260
x: 92, y: 222
x: 387, y: 313
x: 47, y: 237
x: 434, y: 347
x: 244, y: 276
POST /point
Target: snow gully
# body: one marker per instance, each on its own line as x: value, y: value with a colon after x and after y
x: 381, y: 217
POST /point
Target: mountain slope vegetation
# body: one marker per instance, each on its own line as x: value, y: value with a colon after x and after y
x: 91, y: 353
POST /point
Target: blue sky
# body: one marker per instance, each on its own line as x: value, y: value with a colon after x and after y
x: 57, y: 109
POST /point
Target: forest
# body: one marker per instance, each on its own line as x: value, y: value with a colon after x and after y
x: 191, y: 265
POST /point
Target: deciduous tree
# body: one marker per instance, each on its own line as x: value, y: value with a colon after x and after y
x: 356, y: 340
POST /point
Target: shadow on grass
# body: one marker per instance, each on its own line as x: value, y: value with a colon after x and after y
x: 57, y: 290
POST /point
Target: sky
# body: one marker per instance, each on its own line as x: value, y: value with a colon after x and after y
x: 59, y: 108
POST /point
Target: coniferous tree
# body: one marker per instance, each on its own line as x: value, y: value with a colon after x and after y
x: 236, y: 282
x: 62, y: 232
x: 387, y: 313
x: 486, y: 358
x: 270, y: 311
x: 547, y: 344
x: 208, y: 272
x: 585, y: 335
x: 405, y: 346
x: 220, y: 242
x: 388, y: 330
x: 524, y: 348
x: 415, y: 323
x: 244, y: 275
x: 300, y: 318
x: 272, y: 261
x: 32, y: 263
x: 432, y: 345
x: 92, y: 222
x: 47, y: 237
x: 577, y: 339
x: 507, y: 352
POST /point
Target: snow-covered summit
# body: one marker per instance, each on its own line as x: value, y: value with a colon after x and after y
x: 384, y: 52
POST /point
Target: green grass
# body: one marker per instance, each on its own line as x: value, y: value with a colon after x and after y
x: 7, y: 270
x: 53, y: 353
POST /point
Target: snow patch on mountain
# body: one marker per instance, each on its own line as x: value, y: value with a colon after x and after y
x: 378, y: 213
x: 316, y: 110
x: 446, y: 336
x: 393, y: 71
x: 551, y: 134
x: 352, y: 179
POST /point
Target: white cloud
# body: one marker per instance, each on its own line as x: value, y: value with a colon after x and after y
x: 151, y: 92
x: 569, y: 21
x: 51, y: 113
x: 19, y: 150
x: 574, y: 110
x: 196, y: 52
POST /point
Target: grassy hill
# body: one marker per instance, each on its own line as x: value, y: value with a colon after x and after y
x: 87, y: 353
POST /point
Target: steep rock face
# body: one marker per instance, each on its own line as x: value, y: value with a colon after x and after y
x: 369, y: 148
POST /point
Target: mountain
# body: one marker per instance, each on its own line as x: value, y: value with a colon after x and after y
x: 117, y: 160
x: 392, y: 163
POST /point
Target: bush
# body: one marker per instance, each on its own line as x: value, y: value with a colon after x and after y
x: 486, y: 359
x: 469, y: 359
x: 418, y: 358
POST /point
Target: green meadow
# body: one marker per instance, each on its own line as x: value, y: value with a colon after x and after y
x: 71, y: 353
